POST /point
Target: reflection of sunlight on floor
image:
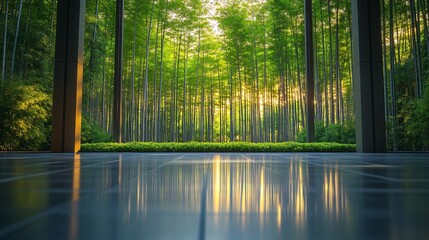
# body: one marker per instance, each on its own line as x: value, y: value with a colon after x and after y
x: 246, y: 196
x: 250, y: 193
x: 76, y: 177
x: 239, y: 186
x: 335, y: 198
x: 262, y: 203
x: 279, y: 215
x: 74, y: 225
x: 297, y: 204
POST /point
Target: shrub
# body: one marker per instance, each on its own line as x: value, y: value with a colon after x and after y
x: 217, y: 147
x: 92, y: 133
x: 337, y: 133
x: 415, y: 119
x: 24, y: 117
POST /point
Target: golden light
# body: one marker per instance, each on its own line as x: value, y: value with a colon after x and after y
x: 297, y: 192
x: 216, y: 183
x: 279, y: 215
x: 74, y: 224
x: 120, y: 169
x: 334, y: 194
x: 76, y: 177
x: 262, y: 193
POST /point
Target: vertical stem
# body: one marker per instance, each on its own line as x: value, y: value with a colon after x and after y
x: 18, y: 21
x: 309, y: 58
x: 117, y: 87
x: 4, y: 41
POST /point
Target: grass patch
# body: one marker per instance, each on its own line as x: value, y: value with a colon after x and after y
x: 217, y: 147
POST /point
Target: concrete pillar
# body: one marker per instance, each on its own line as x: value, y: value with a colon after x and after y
x: 68, y: 73
x: 368, y: 76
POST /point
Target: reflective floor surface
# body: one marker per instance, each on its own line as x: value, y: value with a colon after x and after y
x: 214, y: 196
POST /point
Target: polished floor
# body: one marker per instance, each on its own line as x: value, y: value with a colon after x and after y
x: 214, y: 196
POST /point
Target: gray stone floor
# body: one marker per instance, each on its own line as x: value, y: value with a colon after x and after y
x: 214, y: 196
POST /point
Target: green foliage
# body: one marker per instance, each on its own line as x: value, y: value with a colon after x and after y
x: 414, y: 130
x: 217, y: 147
x: 92, y: 133
x: 215, y: 70
x: 24, y: 117
x: 409, y: 129
x: 333, y: 133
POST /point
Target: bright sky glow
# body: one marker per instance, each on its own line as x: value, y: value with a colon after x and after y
x: 212, y: 6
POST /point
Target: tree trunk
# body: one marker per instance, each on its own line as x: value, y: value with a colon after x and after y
x: 3, y: 75
x: 231, y: 107
x: 300, y: 99
x: 338, y: 91
x: 392, y: 77
x: 161, y: 71
x: 318, y: 105
x: 22, y: 69
x: 184, y: 109
x: 146, y: 77
x: 132, y: 114
x: 264, y: 102
x: 331, y: 68
x: 415, y: 36
x: 425, y: 10
x: 325, y: 79
x: 18, y: 22
x: 309, y: 58
x: 117, y: 89
x: 53, y: 9
x: 384, y: 46
x: 202, y: 106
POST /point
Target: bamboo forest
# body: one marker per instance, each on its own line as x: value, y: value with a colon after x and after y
x: 213, y: 71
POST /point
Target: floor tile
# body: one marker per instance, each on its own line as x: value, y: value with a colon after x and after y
x: 214, y: 196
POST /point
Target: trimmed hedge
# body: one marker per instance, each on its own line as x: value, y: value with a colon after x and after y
x: 217, y: 147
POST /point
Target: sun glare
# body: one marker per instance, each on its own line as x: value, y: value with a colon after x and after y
x: 212, y: 8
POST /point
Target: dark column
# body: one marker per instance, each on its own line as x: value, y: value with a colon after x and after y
x: 309, y: 68
x: 67, y: 100
x: 368, y: 76
x: 117, y: 86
